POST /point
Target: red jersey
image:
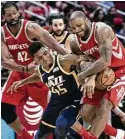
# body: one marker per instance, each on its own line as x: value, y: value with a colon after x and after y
x: 18, y: 45
x: 90, y: 47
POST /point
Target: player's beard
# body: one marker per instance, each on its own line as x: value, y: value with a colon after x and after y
x: 13, y: 23
x: 86, y: 34
x: 56, y: 34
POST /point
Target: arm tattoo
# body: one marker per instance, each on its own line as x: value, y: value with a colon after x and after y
x: 105, y: 44
x: 105, y: 50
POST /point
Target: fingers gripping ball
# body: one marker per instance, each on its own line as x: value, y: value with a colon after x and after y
x: 104, y: 79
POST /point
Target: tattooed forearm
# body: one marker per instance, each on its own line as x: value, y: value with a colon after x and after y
x: 105, y: 50
x: 95, y: 68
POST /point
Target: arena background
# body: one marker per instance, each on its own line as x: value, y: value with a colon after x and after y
x: 110, y: 12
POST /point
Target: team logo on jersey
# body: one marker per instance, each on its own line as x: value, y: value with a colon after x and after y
x: 117, y: 54
x: 91, y: 51
x: 56, y: 85
x: 54, y: 81
x: 7, y: 38
x: 18, y: 46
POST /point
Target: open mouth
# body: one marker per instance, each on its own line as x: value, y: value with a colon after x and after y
x: 14, y: 22
x: 58, y: 32
x: 80, y: 33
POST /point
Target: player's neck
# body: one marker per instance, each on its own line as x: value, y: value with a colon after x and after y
x: 46, y: 67
x: 59, y: 38
x: 15, y: 29
x: 89, y: 32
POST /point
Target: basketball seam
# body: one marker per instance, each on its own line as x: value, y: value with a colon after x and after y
x: 107, y: 80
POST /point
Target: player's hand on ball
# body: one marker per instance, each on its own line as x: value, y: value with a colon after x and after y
x: 14, y: 86
x: 88, y: 87
x: 82, y: 75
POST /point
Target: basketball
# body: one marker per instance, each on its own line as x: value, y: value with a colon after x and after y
x: 104, y: 79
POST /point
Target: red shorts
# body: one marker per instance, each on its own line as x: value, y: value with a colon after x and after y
x: 115, y: 94
x: 37, y: 91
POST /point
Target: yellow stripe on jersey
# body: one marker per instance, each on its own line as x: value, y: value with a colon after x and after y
x: 40, y: 75
x: 49, y: 125
x: 75, y: 77
x: 67, y: 73
x: 48, y: 71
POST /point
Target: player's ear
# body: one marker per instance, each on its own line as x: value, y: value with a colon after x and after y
x: 50, y: 28
x: 64, y: 26
x: 19, y: 12
x: 86, y: 21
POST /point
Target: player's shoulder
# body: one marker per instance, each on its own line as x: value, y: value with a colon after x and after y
x: 70, y: 35
x: 31, y: 24
x: 103, y: 29
x: 101, y: 26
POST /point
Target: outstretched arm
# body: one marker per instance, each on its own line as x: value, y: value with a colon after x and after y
x: 72, y: 59
x: 31, y: 79
x: 35, y: 31
x: 105, y: 50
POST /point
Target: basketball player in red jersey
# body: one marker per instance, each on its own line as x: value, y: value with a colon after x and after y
x: 17, y: 35
x: 98, y: 40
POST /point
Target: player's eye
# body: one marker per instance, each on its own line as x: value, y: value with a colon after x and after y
x: 55, y: 25
x: 73, y: 28
x: 14, y: 13
x: 39, y: 58
x: 79, y: 25
x: 45, y: 53
x: 60, y: 24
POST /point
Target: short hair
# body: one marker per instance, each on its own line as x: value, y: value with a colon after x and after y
x: 55, y: 16
x: 35, y: 47
x: 7, y: 5
x: 77, y: 14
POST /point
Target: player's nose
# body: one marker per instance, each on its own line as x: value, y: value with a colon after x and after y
x: 13, y: 16
x: 44, y: 58
x: 76, y: 30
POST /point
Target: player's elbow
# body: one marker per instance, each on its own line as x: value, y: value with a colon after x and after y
x: 3, y: 61
x: 106, y: 62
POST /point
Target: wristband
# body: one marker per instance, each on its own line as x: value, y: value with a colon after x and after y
x: 23, y: 69
x: 27, y: 69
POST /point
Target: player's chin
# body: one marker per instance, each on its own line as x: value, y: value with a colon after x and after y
x: 80, y: 35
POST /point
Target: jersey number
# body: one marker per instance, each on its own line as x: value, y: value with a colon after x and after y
x: 59, y: 89
x: 22, y: 56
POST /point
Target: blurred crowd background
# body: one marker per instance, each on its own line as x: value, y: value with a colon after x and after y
x: 110, y: 12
